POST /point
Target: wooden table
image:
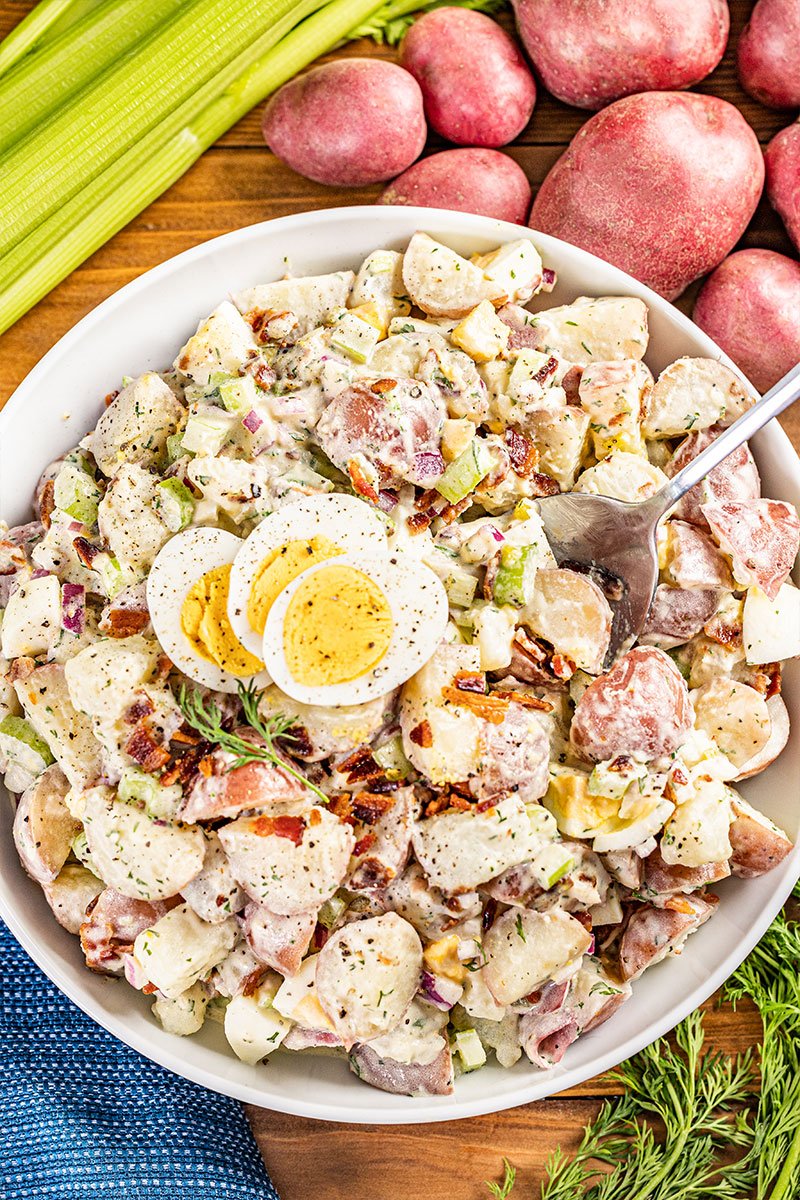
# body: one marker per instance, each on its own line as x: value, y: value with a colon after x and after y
x: 237, y: 183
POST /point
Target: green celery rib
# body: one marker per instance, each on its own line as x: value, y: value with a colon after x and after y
x: 138, y: 177
x: 39, y: 174
x: 58, y: 68
x: 31, y: 28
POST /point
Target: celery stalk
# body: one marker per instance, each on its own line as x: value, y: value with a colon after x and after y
x: 58, y: 68
x: 127, y: 100
x: 31, y: 28
x: 138, y: 177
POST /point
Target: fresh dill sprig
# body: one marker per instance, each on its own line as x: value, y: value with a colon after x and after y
x: 390, y: 22
x: 501, y: 1191
x: 684, y: 1110
x: 206, y: 718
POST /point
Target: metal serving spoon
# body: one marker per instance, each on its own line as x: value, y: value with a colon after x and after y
x: 617, y: 540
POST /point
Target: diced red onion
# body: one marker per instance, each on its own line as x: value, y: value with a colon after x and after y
x: 134, y: 972
x: 252, y: 422
x: 387, y: 500
x: 592, y: 945
x: 39, y: 573
x: 75, y: 526
x: 442, y: 993
x: 548, y: 279
x: 496, y: 534
x: 73, y: 608
x: 427, y: 467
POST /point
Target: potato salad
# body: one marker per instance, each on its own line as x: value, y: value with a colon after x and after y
x: 307, y: 731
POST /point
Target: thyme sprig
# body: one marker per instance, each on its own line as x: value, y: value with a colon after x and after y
x: 205, y: 716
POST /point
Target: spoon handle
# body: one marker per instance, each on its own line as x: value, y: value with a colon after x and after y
x: 773, y: 402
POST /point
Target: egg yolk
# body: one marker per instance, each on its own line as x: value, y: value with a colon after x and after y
x: 279, y: 569
x: 204, y: 620
x: 338, y: 626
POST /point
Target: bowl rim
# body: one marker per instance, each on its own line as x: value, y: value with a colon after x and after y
x: 396, y: 1110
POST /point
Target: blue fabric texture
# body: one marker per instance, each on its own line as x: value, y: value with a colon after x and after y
x: 83, y: 1116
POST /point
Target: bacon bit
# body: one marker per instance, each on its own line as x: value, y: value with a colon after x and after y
x: 146, y: 751
x: 124, y: 622
x: 489, y: 914
x: 314, y: 817
x: 20, y: 669
x: 381, y: 386
x: 365, y: 843
x: 320, y: 936
x: 563, y: 666
x: 490, y: 708
x: 546, y: 370
x: 543, y: 485
x: 422, y: 735
x: 526, y: 699
x: 148, y: 988
x: 47, y: 503
x: 253, y: 981
x: 470, y: 681
x: 427, y: 499
x: 110, y: 397
x: 291, y: 828
x: 185, y: 737
x: 773, y: 673
x: 141, y: 708
x: 360, y: 482
x: 341, y: 805
x: 585, y: 919
x: 571, y: 383
x: 360, y: 765
x: 677, y: 904
x: 449, y: 514
x: 447, y: 801
x: 85, y: 551
x: 206, y: 767
x: 369, y: 807
x: 623, y: 762
x: 186, y: 766
x: 419, y: 522
x: 523, y: 454
x: 723, y: 633
x: 297, y: 742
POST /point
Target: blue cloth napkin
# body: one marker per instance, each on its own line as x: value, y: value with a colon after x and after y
x: 82, y: 1116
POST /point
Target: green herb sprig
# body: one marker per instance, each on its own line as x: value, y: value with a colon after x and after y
x: 205, y: 717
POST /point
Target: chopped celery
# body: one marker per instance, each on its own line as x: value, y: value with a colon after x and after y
x: 175, y: 446
x: 354, y: 336
x: 516, y: 575
x: 464, y: 474
x: 238, y: 394
x: 391, y: 757
x: 159, y: 802
x: 551, y: 864
x: 460, y: 586
x: 110, y: 572
x: 331, y: 911
x: 469, y: 1049
x: 543, y: 823
x: 175, y: 504
x: 76, y: 493
x: 614, y: 784
x: 80, y: 848
x: 207, y: 431
x: 20, y: 729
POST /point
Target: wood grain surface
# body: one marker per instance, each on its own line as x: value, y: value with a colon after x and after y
x: 237, y: 183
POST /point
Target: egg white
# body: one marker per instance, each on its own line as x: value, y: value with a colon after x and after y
x: 343, y: 520
x: 418, y: 603
x: 184, y: 559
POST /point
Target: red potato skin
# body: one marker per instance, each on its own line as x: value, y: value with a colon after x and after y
x: 782, y: 158
x: 591, y: 52
x: 476, y: 86
x: 347, y: 123
x: 767, y: 53
x: 661, y: 184
x: 478, y: 181
x: 750, y: 306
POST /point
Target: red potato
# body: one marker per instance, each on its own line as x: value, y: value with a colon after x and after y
x: 347, y: 123
x: 476, y: 86
x: 653, y: 933
x: 767, y: 53
x: 661, y: 184
x: 735, y: 479
x: 758, y: 845
x: 782, y: 158
x: 750, y: 306
x: 677, y: 614
x: 478, y: 181
x: 590, y: 52
x: 762, y: 538
x: 280, y: 942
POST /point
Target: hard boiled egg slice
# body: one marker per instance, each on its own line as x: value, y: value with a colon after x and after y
x: 286, y: 543
x: 352, y: 628
x: 187, y: 595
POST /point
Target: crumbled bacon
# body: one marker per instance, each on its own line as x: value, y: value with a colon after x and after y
x: 521, y: 451
x: 359, y: 765
x: 381, y: 386
x: 543, y: 485
x: 678, y: 904
x: 422, y: 735
x: 85, y: 550
x: 145, y: 750
x: 185, y: 737
x: 184, y: 768
x: 489, y: 708
x: 449, y: 800
x: 452, y: 511
x: 526, y: 699
x: 20, y: 669
x: 419, y: 522
x: 253, y: 981
x: 360, y: 483
x: 124, y: 622
x: 288, y: 827
x: 297, y: 742
x: 563, y: 666
x: 110, y: 397
x: 47, y: 503
x: 364, y: 844
x: 341, y: 805
x: 142, y: 707
x: 724, y: 633
x: 369, y: 807
x: 470, y: 681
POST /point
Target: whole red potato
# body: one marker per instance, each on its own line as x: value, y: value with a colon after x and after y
x: 750, y: 306
x: 782, y: 158
x: 347, y: 123
x: 768, y: 51
x: 476, y: 180
x: 661, y: 184
x: 477, y: 87
x: 590, y: 52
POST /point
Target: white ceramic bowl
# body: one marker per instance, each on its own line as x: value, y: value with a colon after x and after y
x: 140, y: 328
